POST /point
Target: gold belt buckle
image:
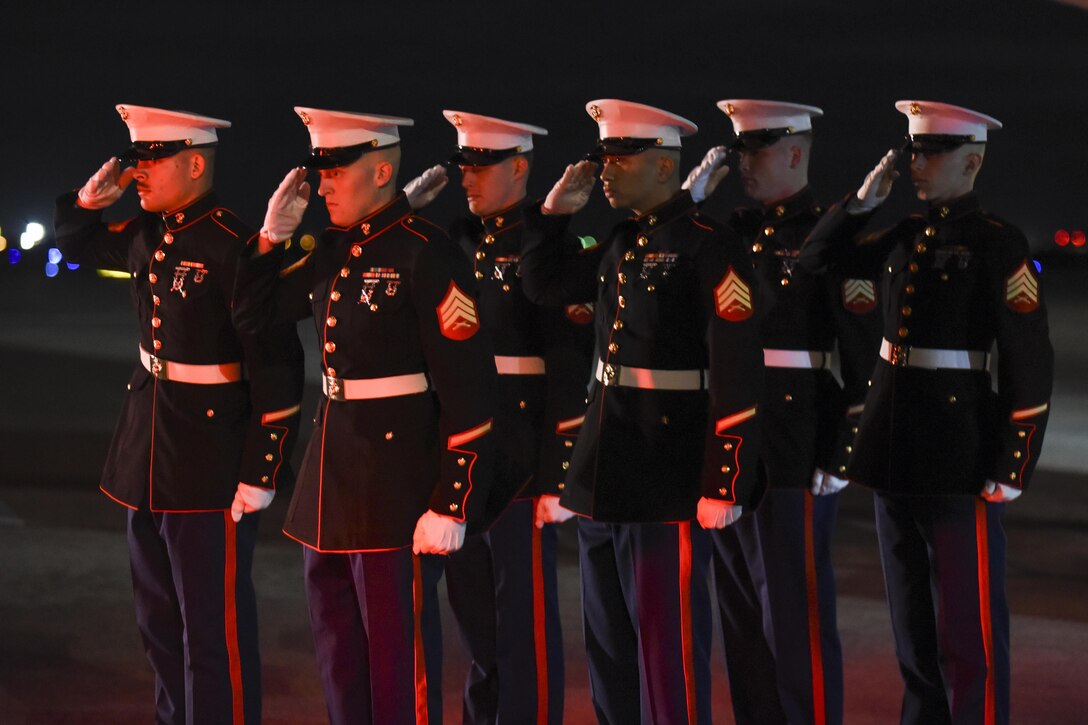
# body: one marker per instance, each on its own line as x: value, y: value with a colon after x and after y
x: 611, y: 373
x: 334, y: 388
x: 158, y: 368
x: 899, y: 355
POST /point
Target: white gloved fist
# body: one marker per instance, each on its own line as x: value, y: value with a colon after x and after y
x: 704, y: 178
x: 714, y: 514
x: 572, y: 191
x: 422, y: 190
x: 248, y: 499
x: 106, y: 186
x: 877, y: 185
x: 437, y: 534
x: 823, y: 483
x: 999, y: 492
x: 286, y: 207
x: 548, y: 510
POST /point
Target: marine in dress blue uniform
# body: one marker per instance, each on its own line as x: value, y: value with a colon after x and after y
x: 502, y: 583
x: 209, y: 419
x: 398, y: 462
x: 671, y: 431
x: 773, y: 570
x: 941, y: 448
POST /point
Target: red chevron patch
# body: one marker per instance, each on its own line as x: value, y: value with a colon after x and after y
x: 733, y: 297
x: 1022, y: 289
x: 859, y: 295
x: 457, y: 317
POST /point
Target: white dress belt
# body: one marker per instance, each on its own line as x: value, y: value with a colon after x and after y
x: 609, y: 374
x: 512, y: 365
x: 370, y: 388
x: 808, y: 359
x: 933, y: 358
x: 187, y: 373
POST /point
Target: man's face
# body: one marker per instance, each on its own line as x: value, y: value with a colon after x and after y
x: 628, y: 179
x: 765, y: 173
x: 164, y: 185
x: 492, y: 188
x: 941, y: 176
x: 349, y: 191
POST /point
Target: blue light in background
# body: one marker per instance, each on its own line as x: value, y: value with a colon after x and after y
x: 71, y: 265
x: 14, y: 255
x: 53, y: 256
x: 1038, y: 265
x: 51, y: 269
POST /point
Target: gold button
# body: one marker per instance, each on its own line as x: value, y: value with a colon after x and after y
x: 943, y: 212
x: 651, y: 220
x: 522, y: 404
x: 768, y: 231
x: 330, y: 346
x: 152, y: 278
x: 480, y: 254
x: 951, y: 398
x: 906, y: 310
x: 913, y: 267
x: 785, y: 281
x: 1021, y: 434
x: 264, y: 479
x: 889, y: 269
x: 613, y: 347
x: 643, y: 240
x: 506, y: 288
x: 566, y: 465
x: 728, y: 446
x: 460, y: 461
x: 909, y: 289
x: 489, y: 239
x: 849, y: 449
x: 356, y: 250
x: 159, y: 255
x: 726, y: 469
x: 1016, y: 454
x: 274, y: 436
x: 788, y: 397
x: 920, y: 247
x: 944, y: 276
x: 331, y: 321
x: 311, y: 296
x: 157, y: 344
x: 568, y: 444
x: 457, y: 485
x: 650, y: 288
x: 617, y: 325
x: 723, y: 491
x: 344, y: 272
x: 168, y: 238
x: 374, y: 307
x: 903, y: 332
x: 664, y: 420
x: 627, y: 256
x: 453, y: 507
x: 930, y: 231
x: 128, y: 386
x: 842, y: 469
x: 622, y: 278
x: 155, y: 300
x: 331, y: 372
x: 1012, y: 476
x: 156, y: 322
x: 854, y: 429
x: 335, y: 295
x: 757, y: 247
x: 210, y: 413
x: 561, y: 486
x: 601, y: 278
x: 389, y: 435
x: 479, y: 274
x: 499, y: 221
x: 622, y: 301
x: 269, y: 457
x: 780, y: 210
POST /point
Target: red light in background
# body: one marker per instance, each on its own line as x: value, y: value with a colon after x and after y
x: 1077, y: 239
x: 1061, y: 237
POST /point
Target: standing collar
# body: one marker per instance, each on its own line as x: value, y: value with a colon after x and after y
x: 679, y: 205
x: 801, y: 202
x: 505, y: 219
x: 954, y: 209
x: 186, y: 215
x: 380, y: 219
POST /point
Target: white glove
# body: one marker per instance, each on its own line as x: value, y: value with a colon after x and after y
x: 877, y: 185
x: 998, y: 492
x: 106, y: 186
x: 714, y: 514
x: 248, y: 499
x: 548, y: 510
x: 437, y: 534
x: 422, y: 190
x: 571, y: 192
x: 704, y: 178
x: 824, y: 483
x: 286, y: 207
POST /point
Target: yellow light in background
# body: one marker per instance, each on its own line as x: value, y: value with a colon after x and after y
x: 307, y: 242
x: 113, y: 274
x: 3, y: 242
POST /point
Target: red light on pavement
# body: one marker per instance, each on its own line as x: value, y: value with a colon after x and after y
x: 1077, y: 239
x: 1061, y: 237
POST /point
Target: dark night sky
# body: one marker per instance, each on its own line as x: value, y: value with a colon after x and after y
x: 66, y: 65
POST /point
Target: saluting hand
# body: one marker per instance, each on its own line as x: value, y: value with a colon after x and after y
x: 423, y: 189
x: 704, y: 178
x: 571, y: 192
x: 286, y: 207
x: 548, y: 510
x: 106, y: 185
x: 877, y: 185
x: 437, y: 534
x: 714, y: 514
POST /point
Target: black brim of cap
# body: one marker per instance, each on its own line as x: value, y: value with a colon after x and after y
x: 472, y: 156
x: 936, y: 143
x: 153, y: 150
x: 331, y: 158
x: 625, y: 147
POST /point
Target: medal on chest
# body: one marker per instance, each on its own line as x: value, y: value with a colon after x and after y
x: 181, y: 275
x: 376, y: 280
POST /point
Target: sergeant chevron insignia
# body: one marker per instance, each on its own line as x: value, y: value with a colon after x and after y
x: 1022, y: 289
x: 859, y: 295
x: 457, y: 317
x: 733, y: 297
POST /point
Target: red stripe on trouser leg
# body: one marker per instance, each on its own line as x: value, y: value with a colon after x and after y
x: 417, y: 639
x: 684, y: 532
x: 230, y: 617
x: 812, y: 592
x: 540, y: 638
x: 983, y: 546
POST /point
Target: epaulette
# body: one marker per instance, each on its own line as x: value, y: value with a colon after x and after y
x: 429, y: 228
x: 993, y: 219
x: 229, y: 220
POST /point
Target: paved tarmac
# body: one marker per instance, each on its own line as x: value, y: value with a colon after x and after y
x: 70, y: 652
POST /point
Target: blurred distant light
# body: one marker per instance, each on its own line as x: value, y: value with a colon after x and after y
x: 34, y: 233
x: 1077, y: 238
x: 1061, y: 237
x: 1038, y: 265
x: 51, y: 269
x: 3, y: 242
x: 113, y: 274
x: 71, y: 265
x: 53, y: 255
x: 14, y: 255
x: 307, y: 241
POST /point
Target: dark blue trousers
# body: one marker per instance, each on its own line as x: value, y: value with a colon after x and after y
x: 377, y: 635
x: 776, y: 598
x: 502, y: 591
x: 197, y: 614
x: 944, y: 572
x: 646, y: 613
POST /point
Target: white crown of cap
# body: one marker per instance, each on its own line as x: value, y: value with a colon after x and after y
x: 159, y: 124
x: 619, y: 119
x: 337, y: 129
x: 749, y: 114
x: 930, y: 117
x: 485, y: 132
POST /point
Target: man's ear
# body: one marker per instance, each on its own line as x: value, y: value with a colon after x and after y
x: 521, y: 167
x: 383, y: 174
x: 972, y: 163
x: 197, y: 166
x: 666, y: 168
x: 796, y: 156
